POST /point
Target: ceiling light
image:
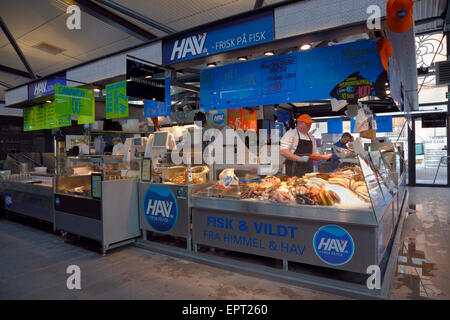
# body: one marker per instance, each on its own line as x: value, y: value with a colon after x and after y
x: 269, y: 53
x: 244, y: 58
x: 148, y: 77
x: 128, y: 80
x: 388, y: 91
x: 305, y: 46
x: 96, y: 90
x: 211, y: 65
x: 180, y: 72
x: 48, y: 101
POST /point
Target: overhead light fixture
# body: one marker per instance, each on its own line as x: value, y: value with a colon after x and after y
x: 243, y: 58
x: 180, y: 72
x: 48, y: 101
x: 211, y: 65
x: 96, y: 90
x: 388, y: 91
x: 269, y: 53
x: 148, y: 77
x: 128, y: 80
x: 305, y: 47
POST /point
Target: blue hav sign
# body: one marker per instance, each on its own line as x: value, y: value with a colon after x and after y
x: 46, y: 86
x: 8, y: 199
x: 349, y: 72
x: 153, y: 108
x: 333, y: 245
x: 246, y: 32
x: 160, y: 208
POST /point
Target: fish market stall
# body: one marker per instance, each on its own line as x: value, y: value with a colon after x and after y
x: 342, y: 220
x: 97, y: 199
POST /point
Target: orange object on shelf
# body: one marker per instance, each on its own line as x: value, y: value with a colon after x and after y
x: 385, y: 50
x: 399, y: 15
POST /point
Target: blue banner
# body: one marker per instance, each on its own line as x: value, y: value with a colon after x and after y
x: 154, y: 108
x: 349, y: 72
x: 335, y: 126
x: 283, y: 116
x: 246, y: 32
x: 384, y: 123
x: 45, y: 87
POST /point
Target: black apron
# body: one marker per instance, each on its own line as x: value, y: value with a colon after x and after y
x: 296, y: 168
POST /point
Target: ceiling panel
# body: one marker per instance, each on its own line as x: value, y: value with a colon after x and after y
x: 22, y: 16
x: 93, y: 34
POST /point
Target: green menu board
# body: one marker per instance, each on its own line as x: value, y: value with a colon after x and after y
x: 50, y: 116
x: 63, y: 120
x: 74, y: 101
x: 39, y: 117
x: 87, y: 119
x: 28, y: 119
x: 116, y: 100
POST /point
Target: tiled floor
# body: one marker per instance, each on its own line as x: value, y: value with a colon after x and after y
x: 33, y: 265
x: 423, y: 271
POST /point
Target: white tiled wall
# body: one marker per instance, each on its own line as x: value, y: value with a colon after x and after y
x: 315, y: 15
x: 16, y: 95
x: 9, y: 111
x: 114, y: 65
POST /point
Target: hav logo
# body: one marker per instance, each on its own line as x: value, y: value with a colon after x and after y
x: 192, y: 45
x: 219, y: 118
x: 8, y: 200
x: 40, y: 88
x: 160, y: 208
x: 333, y: 245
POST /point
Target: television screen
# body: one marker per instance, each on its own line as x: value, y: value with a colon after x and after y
x: 434, y: 121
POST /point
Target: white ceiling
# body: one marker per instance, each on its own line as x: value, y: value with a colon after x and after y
x: 32, y: 22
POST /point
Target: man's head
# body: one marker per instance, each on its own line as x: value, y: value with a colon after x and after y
x: 116, y: 140
x: 346, y: 138
x: 304, y: 123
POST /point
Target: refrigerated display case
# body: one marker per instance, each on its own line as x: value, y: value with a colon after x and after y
x: 97, y: 199
x: 342, y: 220
x: 29, y: 194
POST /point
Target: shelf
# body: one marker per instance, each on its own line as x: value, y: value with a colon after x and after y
x: 112, y: 132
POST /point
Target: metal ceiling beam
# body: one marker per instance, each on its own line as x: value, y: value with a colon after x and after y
x: 14, y: 71
x: 4, y: 84
x: 17, y: 48
x: 137, y: 16
x: 258, y: 4
x: 114, y: 20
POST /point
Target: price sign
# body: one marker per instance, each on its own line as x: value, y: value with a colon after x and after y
x: 116, y: 100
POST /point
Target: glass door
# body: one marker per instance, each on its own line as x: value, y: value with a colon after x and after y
x: 431, y: 143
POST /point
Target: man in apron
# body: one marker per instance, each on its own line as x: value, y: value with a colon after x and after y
x: 296, y: 146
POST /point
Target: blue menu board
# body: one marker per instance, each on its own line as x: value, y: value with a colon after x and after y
x: 346, y: 72
x: 384, y: 123
x: 335, y: 126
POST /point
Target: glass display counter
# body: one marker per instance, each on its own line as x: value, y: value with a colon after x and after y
x: 97, y: 199
x: 342, y: 220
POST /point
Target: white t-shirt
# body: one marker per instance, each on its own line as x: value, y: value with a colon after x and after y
x: 290, y: 141
x: 118, y: 149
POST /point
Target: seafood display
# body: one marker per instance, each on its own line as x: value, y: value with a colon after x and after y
x: 345, y: 187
